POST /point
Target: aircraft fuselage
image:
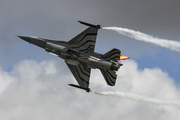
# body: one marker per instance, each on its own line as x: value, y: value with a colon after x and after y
x: 72, y: 56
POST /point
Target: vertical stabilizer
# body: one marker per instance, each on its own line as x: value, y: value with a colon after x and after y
x: 110, y: 76
x: 113, y: 54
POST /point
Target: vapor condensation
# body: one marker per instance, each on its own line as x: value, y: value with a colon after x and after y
x: 170, y: 44
x: 141, y: 98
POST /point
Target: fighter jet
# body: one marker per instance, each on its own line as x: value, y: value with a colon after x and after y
x: 79, y: 55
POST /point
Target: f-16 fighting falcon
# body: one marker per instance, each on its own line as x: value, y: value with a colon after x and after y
x: 79, y: 55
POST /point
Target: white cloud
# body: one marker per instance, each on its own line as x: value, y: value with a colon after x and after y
x: 152, y: 81
x: 39, y: 91
x: 5, y: 79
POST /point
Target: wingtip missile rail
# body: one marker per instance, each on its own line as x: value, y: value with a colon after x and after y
x: 76, y: 86
x: 91, y: 25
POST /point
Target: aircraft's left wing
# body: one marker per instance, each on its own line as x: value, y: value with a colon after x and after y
x: 81, y: 73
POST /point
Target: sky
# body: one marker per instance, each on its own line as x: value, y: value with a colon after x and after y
x: 34, y: 84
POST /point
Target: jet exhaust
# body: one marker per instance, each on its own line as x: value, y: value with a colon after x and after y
x: 141, y: 98
x: 170, y: 44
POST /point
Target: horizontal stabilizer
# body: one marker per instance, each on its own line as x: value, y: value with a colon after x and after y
x: 91, y: 25
x: 76, y: 86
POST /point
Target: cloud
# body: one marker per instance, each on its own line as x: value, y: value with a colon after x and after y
x: 5, y: 79
x: 38, y: 91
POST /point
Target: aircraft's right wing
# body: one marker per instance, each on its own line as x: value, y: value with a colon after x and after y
x: 81, y: 73
x: 86, y: 40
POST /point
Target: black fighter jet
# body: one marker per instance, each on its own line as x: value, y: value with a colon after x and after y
x: 79, y: 55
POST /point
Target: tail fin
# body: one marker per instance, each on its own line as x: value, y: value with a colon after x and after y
x: 113, y: 54
x: 110, y: 76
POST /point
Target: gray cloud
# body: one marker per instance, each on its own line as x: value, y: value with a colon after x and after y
x: 58, y: 20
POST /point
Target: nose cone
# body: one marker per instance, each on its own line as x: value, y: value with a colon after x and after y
x: 26, y: 38
x: 34, y: 40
